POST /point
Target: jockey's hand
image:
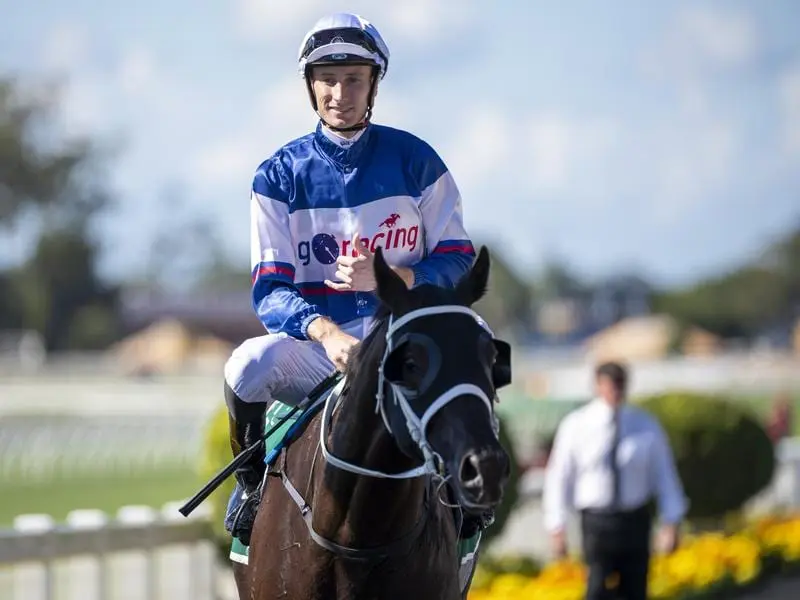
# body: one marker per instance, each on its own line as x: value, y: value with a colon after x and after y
x: 337, y: 343
x: 355, y: 273
x: 337, y: 347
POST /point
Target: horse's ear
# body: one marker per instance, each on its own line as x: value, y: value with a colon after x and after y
x: 390, y: 286
x: 472, y: 286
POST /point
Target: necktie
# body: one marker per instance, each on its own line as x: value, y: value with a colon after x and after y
x: 615, y: 474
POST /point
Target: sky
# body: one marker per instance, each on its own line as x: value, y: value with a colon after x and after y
x: 659, y: 137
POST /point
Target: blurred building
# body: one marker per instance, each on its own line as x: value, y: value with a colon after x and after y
x: 228, y: 316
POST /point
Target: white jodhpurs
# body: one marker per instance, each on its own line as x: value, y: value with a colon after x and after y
x: 277, y: 366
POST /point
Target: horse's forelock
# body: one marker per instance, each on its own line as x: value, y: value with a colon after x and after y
x: 371, y: 349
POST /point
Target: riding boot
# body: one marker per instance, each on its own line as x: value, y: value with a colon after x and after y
x: 246, y: 427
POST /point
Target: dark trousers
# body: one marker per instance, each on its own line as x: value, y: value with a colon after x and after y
x: 616, y: 546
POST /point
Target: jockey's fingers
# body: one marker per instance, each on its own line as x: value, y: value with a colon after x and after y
x: 344, y: 278
x: 347, y: 260
x: 341, y: 361
x: 336, y: 285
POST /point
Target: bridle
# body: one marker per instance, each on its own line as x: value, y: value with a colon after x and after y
x: 416, y: 425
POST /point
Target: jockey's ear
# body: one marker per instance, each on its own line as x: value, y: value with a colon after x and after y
x: 472, y: 286
x: 391, y: 288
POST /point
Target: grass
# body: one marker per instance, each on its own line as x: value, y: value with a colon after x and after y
x: 109, y: 493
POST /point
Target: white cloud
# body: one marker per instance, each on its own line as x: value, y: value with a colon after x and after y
x: 131, y: 91
x: 394, y: 109
x: 414, y: 21
x: 560, y: 147
x: 137, y: 72
x: 226, y: 161
x: 65, y: 47
x: 84, y: 105
x: 722, y: 38
x: 283, y: 110
x: 262, y: 20
x: 701, y: 40
x: 543, y: 152
x: 425, y: 21
x: 279, y: 114
x: 691, y: 162
x: 481, y: 150
x: 789, y: 92
x: 697, y: 45
x: 683, y: 157
x: 550, y: 140
x: 670, y: 167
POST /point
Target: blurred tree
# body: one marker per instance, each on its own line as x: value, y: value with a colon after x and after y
x: 185, y: 247
x: 559, y: 281
x: 505, y: 305
x: 747, y: 301
x: 58, y: 184
x: 223, y: 276
x: 787, y: 264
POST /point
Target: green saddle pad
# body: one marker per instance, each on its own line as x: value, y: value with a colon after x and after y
x: 275, y: 413
x: 468, y: 560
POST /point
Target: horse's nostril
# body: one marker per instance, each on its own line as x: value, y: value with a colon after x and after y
x: 470, y: 474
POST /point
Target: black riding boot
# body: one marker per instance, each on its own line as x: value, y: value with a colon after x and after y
x: 246, y: 427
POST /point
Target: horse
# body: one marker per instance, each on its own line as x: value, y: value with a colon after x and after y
x: 373, y: 484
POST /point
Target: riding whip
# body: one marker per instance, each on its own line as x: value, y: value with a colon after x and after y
x: 245, y: 455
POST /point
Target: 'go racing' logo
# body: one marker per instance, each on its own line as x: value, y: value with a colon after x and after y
x: 326, y: 249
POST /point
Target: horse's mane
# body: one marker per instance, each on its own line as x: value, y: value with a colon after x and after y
x: 361, y: 371
x: 362, y: 367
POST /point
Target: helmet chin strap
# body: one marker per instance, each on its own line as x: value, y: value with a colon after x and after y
x: 358, y: 126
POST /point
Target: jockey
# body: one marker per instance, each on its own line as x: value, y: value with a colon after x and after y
x: 319, y: 207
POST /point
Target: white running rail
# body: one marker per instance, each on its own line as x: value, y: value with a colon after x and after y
x: 138, y: 554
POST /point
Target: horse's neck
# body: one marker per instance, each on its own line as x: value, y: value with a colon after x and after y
x: 369, y: 508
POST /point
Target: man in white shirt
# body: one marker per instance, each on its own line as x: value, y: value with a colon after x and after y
x: 612, y: 496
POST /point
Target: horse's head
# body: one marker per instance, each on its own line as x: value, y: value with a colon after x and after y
x: 439, y: 378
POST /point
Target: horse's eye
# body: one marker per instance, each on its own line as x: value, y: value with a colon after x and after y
x: 410, y: 366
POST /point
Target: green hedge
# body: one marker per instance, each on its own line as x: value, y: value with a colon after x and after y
x: 722, y: 451
x: 216, y: 454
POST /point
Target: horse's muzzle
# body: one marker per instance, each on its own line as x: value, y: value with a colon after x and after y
x: 481, y: 478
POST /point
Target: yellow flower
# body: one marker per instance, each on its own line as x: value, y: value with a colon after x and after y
x: 701, y: 561
x: 780, y: 535
x: 508, y: 585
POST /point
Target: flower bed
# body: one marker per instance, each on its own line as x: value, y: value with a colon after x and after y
x: 704, y: 566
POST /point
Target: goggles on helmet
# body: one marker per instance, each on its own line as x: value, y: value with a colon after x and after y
x: 348, y: 35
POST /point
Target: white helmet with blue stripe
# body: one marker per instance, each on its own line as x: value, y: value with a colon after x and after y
x: 343, y: 38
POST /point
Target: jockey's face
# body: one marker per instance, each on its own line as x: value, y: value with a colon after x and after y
x: 342, y: 93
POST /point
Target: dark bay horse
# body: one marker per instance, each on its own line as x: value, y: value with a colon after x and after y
x: 364, y: 512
